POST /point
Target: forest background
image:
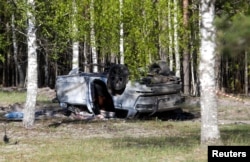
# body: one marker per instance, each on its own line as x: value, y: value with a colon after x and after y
x: 77, y: 33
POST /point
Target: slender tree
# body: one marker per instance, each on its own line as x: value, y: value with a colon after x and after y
x: 170, y: 47
x: 29, y: 110
x: 93, y: 37
x: 186, y: 56
x: 176, y: 41
x: 210, y: 133
x: 194, y: 45
x: 15, y: 53
x: 121, y: 33
x: 246, y: 73
x: 75, y: 44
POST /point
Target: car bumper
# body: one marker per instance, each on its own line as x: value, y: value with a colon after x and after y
x: 159, y: 103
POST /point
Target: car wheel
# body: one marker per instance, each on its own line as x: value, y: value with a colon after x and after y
x: 160, y: 67
x: 117, y: 78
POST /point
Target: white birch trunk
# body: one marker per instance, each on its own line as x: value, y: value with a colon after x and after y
x: 92, y: 38
x: 75, y: 57
x: 121, y: 34
x: 186, y: 55
x: 210, y: 133
x: 176, y: 43
x: 75, y: 45
x: 85, y: 54
x: 29, y: 110
x: 170, y: 47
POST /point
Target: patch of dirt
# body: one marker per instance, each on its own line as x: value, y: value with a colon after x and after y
x: 233, y: 110
x: 46, y: 91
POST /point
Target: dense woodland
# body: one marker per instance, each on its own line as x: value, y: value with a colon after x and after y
x: 84, y: 33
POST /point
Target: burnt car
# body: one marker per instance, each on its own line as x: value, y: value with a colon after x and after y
x: 112, y: 91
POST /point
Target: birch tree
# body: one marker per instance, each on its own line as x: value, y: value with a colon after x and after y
x: 92, y: 37
x: 186, y: 67
x: 121, y: 34
x: 176, y: 43
x: 170, y: 49
x: 210, y: 133
x: 29, y: 110
x: 75, y: 44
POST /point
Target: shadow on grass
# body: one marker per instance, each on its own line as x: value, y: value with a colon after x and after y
x: 78, y: 122
x: 157, y: 142
x: 231, y: 135
x: 237, y: 134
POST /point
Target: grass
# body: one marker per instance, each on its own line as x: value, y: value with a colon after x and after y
x: 236, y: 134
x: 109, y: 141
x: 175, y: 146
x: 69, y: 143
x: 7, y: 98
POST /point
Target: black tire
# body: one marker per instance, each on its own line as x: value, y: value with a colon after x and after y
x: 164, y: 68
x: 160, y: 67
x: 117, y: 78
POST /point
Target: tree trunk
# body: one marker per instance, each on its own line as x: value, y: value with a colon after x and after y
x: 170, y: 47
x: 29, y: 110
x: 246, y: 74
x: 218, y: 71
x: 75, y: 45
x: 46, y: 69
x: 15, y: 52
x: 210, y: 133
x: 7, y: 71
x: 85, y: 55
x: 193, y: 76
x: 176, y: 42
x: 121, y: 33
x: 75, y: 57
x: 92, y: 38
x: 186, y: 56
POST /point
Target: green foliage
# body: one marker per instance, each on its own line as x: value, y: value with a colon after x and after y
x: 2, y: 47
x: 145, y: 23
x: 145, y: 27
x: 142, y: 34
x: 233, y: 23
x: 234, y: 33
x: 107, y: 21
x: 231, y: 7
x: 53, y: 19
x: 8, y: 98
x: 238, y: 34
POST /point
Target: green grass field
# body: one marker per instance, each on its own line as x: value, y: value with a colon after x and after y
x: 7, y: 98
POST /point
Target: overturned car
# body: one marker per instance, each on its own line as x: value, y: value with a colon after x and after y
x: 112, y: 91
